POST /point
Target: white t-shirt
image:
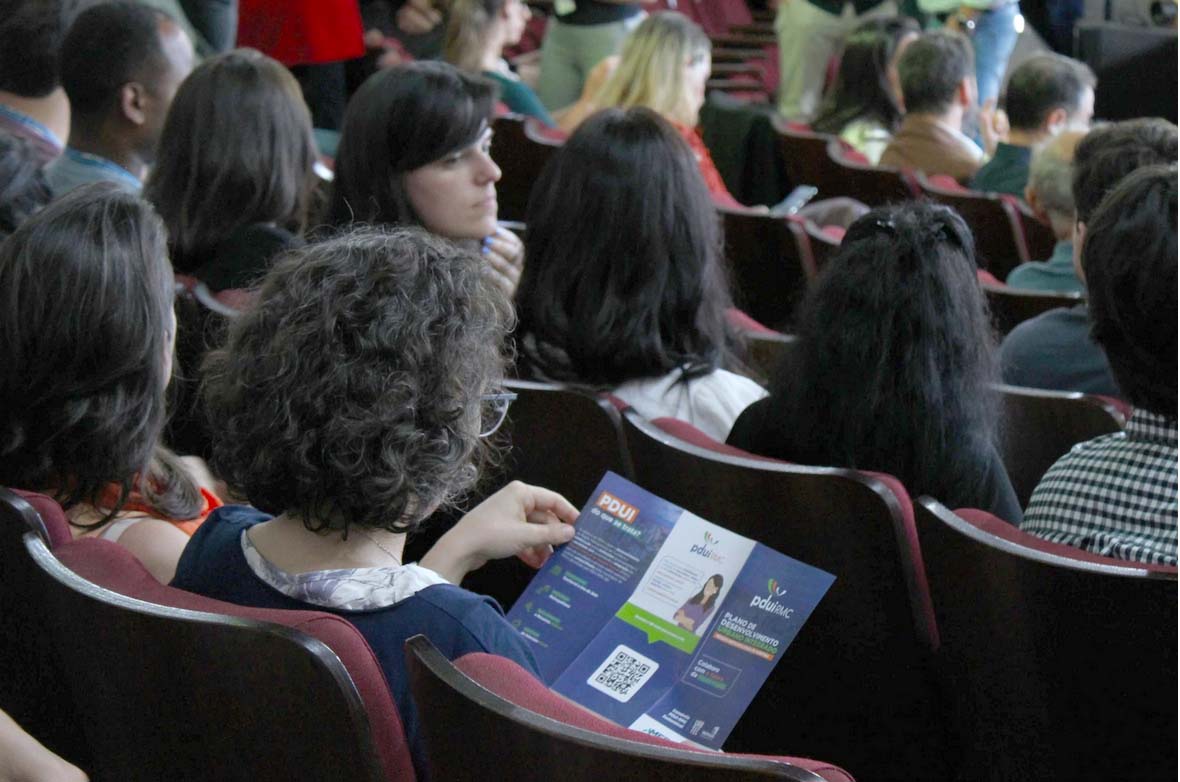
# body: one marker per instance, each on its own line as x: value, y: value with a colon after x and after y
x: 710, y: 402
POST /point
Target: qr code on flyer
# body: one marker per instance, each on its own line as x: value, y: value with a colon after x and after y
x: 622, y: 673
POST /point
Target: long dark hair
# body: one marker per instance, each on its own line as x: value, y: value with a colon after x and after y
x: 706, y: 603
x: 236, y: 150
x: 862, y: 89
x: 401, y: 119
x: 85, y: 296
x: 895, y: 358
x: 623, y: 279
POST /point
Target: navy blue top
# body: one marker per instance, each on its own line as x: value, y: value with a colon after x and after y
x: 1006, y: 172
x: 455, y: 620
x: 1054, y: 350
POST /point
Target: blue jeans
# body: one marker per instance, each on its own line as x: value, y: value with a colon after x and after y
x: 993, y: 40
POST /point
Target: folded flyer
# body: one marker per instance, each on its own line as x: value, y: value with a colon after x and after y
x: 661, y: 621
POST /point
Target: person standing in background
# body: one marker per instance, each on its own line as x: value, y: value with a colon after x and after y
x: 992, y: 27
x: 580, y: 35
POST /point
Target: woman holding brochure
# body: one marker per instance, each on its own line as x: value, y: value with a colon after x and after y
x: 350, y: 402
x: 692, y: 614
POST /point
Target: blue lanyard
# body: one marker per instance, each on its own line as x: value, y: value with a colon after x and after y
x: 94, y: 161
x: 32, y: 124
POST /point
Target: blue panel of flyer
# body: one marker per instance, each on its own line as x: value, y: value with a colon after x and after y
x: 660, y: 620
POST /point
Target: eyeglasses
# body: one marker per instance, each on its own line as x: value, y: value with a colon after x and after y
x: 493, y: 411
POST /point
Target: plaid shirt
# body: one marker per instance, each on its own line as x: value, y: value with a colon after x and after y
x: 1113, y: 495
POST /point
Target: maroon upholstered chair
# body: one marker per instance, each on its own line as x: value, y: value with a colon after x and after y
x: 1062, y: 664
x: 1038, y: 236
x: 1012, y: 306
x: 33, y: 688
x: 805, y: 157
x: 521, y: 148
x: 181, y: 687
x: 1038, y: 427
x: 856, y: 686
x: 995, y: 221
x: 874, y: 185
x: 485, y: 712
x: 770, y: 264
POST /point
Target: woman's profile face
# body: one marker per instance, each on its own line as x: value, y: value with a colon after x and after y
x: 455, y: 196
x: 711, y: 588
x: 696, y: 73
x: 515, y: 15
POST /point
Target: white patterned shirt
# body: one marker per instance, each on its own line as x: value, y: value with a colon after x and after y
x: 1114, y: 495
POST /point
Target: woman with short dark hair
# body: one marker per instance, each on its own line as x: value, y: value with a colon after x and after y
x: 86, y: 333
x: 350, y: 403
x: 234, y: 172
x: 414, y: 150
x: 894, y: 365
x: 624, y: 289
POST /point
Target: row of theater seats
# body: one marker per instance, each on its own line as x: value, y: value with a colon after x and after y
x: 772, y: 260
x: 894, y: 676
x: 135, y: 680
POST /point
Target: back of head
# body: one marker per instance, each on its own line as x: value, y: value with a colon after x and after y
x: 350, y: 392
x: 623, y: 279
x: 23, y: 189
x: 31, y: 35
x: 1129, y: 258
x: 862, y: 89
x: 1111, y: 152
x: 107, y: 46
x: 468, y: 22
x: 895, y: 356
x: 1050, y: 176
x: 401, y: 119
x: 651, y: 69
x: 932, y: 69
x: 85, y: 303
x: 1042, y: 83
x: 236, y: 150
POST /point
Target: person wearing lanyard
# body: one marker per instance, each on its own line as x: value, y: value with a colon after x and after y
x: 121, y: 64
x: 992, y: 26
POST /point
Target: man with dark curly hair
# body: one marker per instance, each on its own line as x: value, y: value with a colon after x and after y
x: 351, y: 402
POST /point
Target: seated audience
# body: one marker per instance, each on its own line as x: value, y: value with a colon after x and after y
x: 234, y: 173
x: 1116, y: 494
x: 121, y: 64
x: 893, y: 365
x: 1050, y: 196
x: 864, y: 106
x: 414, y: 150
x: 937, y: 76
x: 1055, y: 350
x: 637, y: 308
x: 33, y: 106
x: 22, y: 183
x: 351, y: 402
x: 663, y: 66
x: 478, y: 31
x: 1046, y: 95
x: 86, y: 330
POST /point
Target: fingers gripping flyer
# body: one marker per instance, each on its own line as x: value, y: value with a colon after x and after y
x: 661, y: 621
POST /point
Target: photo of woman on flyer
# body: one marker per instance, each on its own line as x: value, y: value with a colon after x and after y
x: 698, y: 608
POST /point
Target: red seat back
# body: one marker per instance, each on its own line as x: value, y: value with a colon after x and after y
x: 994, y: 220
x: 873, y: 185
x: 484, y: 711
x: 770, y: 265
x: 1012, y: 306
x: 865, y: 652
x: 1062, y: 665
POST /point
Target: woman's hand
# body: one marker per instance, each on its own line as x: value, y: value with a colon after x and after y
x: 519, y: 520
x: 993, y: 126
x: 417, y: 17
x: 505, y: 255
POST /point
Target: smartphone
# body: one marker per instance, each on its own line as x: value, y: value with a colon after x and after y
x: 798, y: 199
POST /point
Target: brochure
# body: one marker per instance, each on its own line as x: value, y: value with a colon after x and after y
x: 661, y: 621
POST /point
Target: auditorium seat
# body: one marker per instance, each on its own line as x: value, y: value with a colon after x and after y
x: 171, y: 685
x: 1038, y: 427
x: 520, y: 146
x: 805, y: 158
x: 770, y: 264
x: 856, y: 178
x: 33, y: 688
x: 1061, y: 664
x: 995, y: 220
x: 856, y: 687
x: 1012, y: 306
x: 485, y: 712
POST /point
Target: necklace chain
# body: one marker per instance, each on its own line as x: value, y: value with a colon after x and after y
x: 376, y: 543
